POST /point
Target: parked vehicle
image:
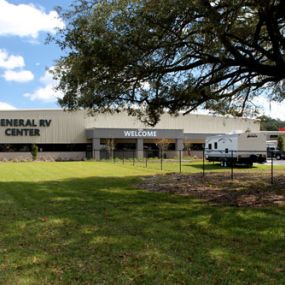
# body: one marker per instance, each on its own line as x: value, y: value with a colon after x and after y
x: 273, y: 151
x: 271, y: 146
x: 236, y: 148
x: 278, y: 154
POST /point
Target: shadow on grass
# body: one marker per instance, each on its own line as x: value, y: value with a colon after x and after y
x: 217, y: 166
x: 103, y: 231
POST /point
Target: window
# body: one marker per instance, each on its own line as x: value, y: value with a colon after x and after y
x: 216, y: 145
x: 45, y: 147
x: 209, y: 146
x: 196, y: 146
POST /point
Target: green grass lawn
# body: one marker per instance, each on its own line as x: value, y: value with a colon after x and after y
x: 192, y: 165
x: 86, y: 223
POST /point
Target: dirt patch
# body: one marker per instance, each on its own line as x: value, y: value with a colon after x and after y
x: 245, y: 190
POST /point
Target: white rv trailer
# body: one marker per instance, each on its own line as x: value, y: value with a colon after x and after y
x: 235, y: 148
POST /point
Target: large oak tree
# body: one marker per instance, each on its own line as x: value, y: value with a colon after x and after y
x: 148, y: 56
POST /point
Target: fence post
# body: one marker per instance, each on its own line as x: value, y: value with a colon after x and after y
x: 146, y: 155
x: 161, y: 159
x: 133, y: 158
x: 203, y: 162
x: 272, y: 178
x: 180, y: 161
x: 123, y: 157
x: 232, y: 165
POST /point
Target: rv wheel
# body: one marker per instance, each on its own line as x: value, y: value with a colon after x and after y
x: 278, y: 156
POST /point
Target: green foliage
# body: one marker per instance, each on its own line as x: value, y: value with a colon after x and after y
x: 34, y: 151
x: 270, y: 124
x: 150, y: 55
x: 281, y: 143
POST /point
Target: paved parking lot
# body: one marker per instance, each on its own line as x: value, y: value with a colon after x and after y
x: 276, y: 162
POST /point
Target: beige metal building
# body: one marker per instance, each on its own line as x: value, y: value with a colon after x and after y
x: 62, y: 135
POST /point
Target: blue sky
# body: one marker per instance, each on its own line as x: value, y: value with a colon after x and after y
x: 25, y: 59
x: 24, y: 56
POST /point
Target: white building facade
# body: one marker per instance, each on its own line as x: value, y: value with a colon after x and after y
x: 62, y: 135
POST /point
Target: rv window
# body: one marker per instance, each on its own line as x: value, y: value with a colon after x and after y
x: 226, y: 150
x: 216, y: 145
x: 209, y: 146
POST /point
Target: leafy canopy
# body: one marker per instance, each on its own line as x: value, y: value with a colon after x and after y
x: 270, y: 124
x: 147, y: 56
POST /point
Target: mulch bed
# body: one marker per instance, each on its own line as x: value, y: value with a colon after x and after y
x: 245, y: 190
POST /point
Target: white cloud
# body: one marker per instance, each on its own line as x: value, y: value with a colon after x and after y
x: 6, y: 106
x: 26, y: 20
x: 18, y: 76
x: 271, y: 108
x: 10, y: 61
x: 145, y: 85
x: 47, y: 92
x: 47, y: 77
x: 266, y: 107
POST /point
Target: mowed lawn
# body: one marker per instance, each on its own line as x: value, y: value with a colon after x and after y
x: 86, y: 223
x: 196, y: 166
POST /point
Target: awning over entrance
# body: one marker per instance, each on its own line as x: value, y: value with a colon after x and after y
x: 134, y: 133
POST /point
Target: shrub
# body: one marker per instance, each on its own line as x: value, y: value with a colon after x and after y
x: 34, y: 152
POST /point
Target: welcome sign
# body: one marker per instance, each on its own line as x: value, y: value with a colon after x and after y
x: 24, y: 127
x: 140, y: 133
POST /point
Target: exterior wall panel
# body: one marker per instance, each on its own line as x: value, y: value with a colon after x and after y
x: 191, y: 123
x: 70, y: 127
x: 65, y: 127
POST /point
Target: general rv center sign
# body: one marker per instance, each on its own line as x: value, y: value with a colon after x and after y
x: 24, y: 127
